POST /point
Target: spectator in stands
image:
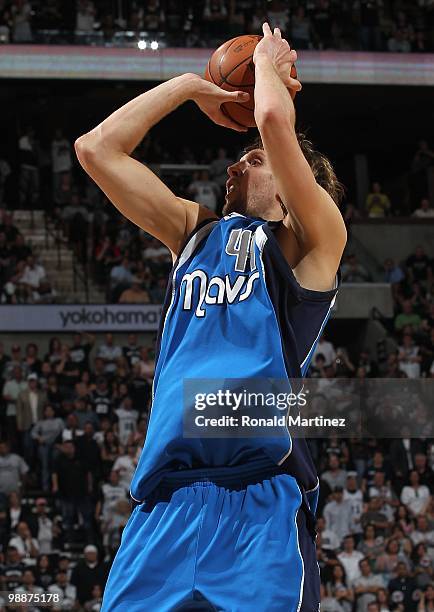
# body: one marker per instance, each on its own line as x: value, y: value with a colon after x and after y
x: 301, y: 29
x: 72, y: 481
x: 278, y: 15
x: 61, y: 160
x: 400, y: 41
x: 134, y: 294
x: 424, y: 211
x: 369, y: 19
x: 33, y: 281
x: 354, y: 498
x: 126, y: 420
x: 353, y: 271
x: 13, y: 570
x: 422, y: 566
x: 89, y: 452
x: 204, y: 190
x: 377, y: 202
x: 67, y: 372
x: 106, y: 254
x: 126, y: 464
x: 337, y: 514
x: 5, y: 172
x: 46, y: 432
x: 43, y: 571
x: 85, y: 18
x: 373, y: 515
x: 120, y: 279
x: 419, y: 266
x: 66, y: 591
x: 340, y: 589
x: 325, y: 348
x: 423, y: 533
x: 421, y: 43
x: 334, y: 476
x: 11, y: 391
x: 407, y: 317
x: 415, y: 496
x: 81, y: 348
x: 94, y: 604
x: 350, y: 558
x: 132, y: 350
x: 29, y: 587
x: 426, y: 474
x: 392, y: 272
x: 29, y: 409
x: 84, y: 414
x: 408, y: 357
x: 109, y: 352
x: 25, y: 544
x: 21, y: 12
x: 87, y: 573
x: 329, y: 603
x: 110, y: 451
x: 371, y: 545
x: 322, y: 24
x: 214, y: 16
x: 366, y: 586
x: 28, y: 170
x: 43, y: 527
x: 402, y: 587
x: 19, y: 250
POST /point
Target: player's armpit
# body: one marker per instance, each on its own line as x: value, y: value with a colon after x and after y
x: 141, y: 196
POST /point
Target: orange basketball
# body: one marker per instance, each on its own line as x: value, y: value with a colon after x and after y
x: 231, y: 68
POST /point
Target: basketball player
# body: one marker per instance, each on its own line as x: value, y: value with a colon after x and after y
x: 226, y: 524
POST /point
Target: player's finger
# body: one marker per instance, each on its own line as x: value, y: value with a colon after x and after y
x: 266, y: 29
x: 235, y: 96
x: 293, y: 84
x: 277, y: 32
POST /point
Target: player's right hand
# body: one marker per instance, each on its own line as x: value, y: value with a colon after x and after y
x: 210, y: 97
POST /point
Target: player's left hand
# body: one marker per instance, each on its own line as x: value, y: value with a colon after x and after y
x: 279, y: 53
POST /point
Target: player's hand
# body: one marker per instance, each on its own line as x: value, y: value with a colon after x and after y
x: 210, y: 97
x: 277, y: 50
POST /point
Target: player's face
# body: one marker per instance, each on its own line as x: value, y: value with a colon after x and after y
x: 251, y: 189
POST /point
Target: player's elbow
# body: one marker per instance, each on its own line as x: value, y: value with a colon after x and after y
x: 86, y: 149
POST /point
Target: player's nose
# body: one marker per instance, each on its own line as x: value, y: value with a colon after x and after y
x: 235, y: 169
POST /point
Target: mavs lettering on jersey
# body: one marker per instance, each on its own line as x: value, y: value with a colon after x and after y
x: 216, y: 290
x: 233, y: 309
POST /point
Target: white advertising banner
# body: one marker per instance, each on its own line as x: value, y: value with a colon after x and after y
x: 76, y: 317
x: 131, y: 64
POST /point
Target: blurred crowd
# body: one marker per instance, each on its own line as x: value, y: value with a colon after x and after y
x: 368, y: 25
x: 75, y: 418
x: 126, y: 262
x: 73, y: 421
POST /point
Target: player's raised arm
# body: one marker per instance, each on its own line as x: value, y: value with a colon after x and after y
x: 105, y: 154
x: 313, y: 217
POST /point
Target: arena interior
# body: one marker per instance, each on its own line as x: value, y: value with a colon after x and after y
x: 81, y: 288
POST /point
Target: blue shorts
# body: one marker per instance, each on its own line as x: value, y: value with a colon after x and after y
x: 209, y: 540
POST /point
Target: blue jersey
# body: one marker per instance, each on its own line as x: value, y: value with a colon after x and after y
x: 233, y: 309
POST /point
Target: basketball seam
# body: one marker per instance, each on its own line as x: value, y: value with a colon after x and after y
x: 225, y: 112
x: 235, y: 67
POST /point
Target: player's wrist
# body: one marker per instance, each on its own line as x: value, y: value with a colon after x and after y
x: 191, y: 85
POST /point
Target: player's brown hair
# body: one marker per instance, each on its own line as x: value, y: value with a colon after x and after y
x: 319, y: 164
